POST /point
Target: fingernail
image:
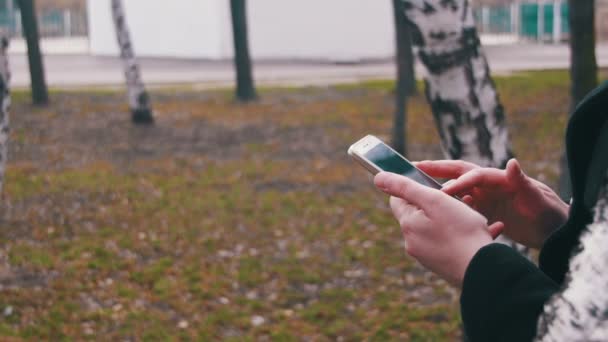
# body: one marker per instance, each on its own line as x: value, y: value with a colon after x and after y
x: 381, y: 186
x: 378, y: 180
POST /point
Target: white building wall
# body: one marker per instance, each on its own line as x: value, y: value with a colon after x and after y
x: 160, y: 28
x: 311, y: 29
x: 328, y: 29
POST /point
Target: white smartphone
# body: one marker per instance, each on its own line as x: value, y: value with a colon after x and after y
x: 376, y: 156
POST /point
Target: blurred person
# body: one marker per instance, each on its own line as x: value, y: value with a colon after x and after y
x: 504, y: 296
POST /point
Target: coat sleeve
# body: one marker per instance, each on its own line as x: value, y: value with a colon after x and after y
x: 503, y: 295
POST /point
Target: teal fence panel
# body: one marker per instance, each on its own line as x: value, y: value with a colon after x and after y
x: 51, y: 23
x: 565, y: 23
x: 8, y: 24
x: 548, y: 22
x: 499, y: 19
x: 529, y: 20
x: 478, y: 18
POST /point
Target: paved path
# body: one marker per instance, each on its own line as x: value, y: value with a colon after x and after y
x: 80, y: 70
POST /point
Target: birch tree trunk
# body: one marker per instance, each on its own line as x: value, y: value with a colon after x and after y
x: 5, y: 103
x: 459, y: 87
x: 139, y: 101
x: 29, y: 21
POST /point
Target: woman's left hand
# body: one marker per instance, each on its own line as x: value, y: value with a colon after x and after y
x: 442, y: 233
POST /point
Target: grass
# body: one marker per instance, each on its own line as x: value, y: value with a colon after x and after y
x: 178, y: 236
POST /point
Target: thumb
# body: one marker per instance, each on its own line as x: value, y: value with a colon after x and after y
x: 451, y: 181
x: 414, y: 193
x: 496, y: 229
x: 515, y: 174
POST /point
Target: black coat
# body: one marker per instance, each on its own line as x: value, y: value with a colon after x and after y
x: 503, y: 293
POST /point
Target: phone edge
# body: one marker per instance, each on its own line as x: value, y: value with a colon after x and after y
x: 371, y: 167
x: 409, y: 161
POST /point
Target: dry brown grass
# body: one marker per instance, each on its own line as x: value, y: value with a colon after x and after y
x: 228, y: 221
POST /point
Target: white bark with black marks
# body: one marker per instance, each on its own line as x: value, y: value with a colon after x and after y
x: 579, y: 311
x: 139, y: 101
x: 459, y: 87
x: 460, y: 90
x: 5, y: 103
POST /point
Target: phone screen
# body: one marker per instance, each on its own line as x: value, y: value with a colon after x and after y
x: 387, y: 160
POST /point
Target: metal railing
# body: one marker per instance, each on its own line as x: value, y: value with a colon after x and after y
x: 55, y: 23
x: 545, y: 20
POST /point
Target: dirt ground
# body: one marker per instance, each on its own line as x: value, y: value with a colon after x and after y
x: 226, y: 221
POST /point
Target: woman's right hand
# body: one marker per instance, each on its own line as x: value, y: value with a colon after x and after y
x: 529, y: 210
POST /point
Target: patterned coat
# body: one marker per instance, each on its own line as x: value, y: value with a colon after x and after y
x: 507, y: 298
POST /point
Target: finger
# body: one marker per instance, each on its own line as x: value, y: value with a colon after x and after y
x: 416, y: 163
x: 475, y: 193
x: 400, y: 210
x: 468, y: 200
x: 407, y: 215
x: 448, y: 182
x: 475, y: 178
x: 445, y: 168
x: 496, y: 229
x: 515, y: 174
x: 399, y: 206
x: 414, y: 193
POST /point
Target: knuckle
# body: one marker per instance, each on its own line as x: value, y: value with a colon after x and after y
x: 483, y: 221
x: 394, y: 203
x: 404, y: 224
x: 465, y: 167
x: 411, y: 250
x: 435, y: 199
x: 479, y: 176
x: 476, y: 173
x: 472, y: 166
x: 402, y: 189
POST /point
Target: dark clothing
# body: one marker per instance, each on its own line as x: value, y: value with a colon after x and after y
x: 503, y: 293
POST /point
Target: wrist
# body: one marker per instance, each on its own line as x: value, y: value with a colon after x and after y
x: 469, y: 253
x: 553, y: 218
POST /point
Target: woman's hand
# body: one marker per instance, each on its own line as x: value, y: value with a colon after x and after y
x: 439, y: 231
x: 529, y: 209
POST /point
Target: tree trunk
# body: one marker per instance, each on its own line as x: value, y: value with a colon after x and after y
x: 139, y: 101
x: 405, y: 54
x: 245, y: 89
x: 40, y: 95
x: 459, y: 87
x: 583, y: 68
x: 5, y: 103
x: 406, y: 82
